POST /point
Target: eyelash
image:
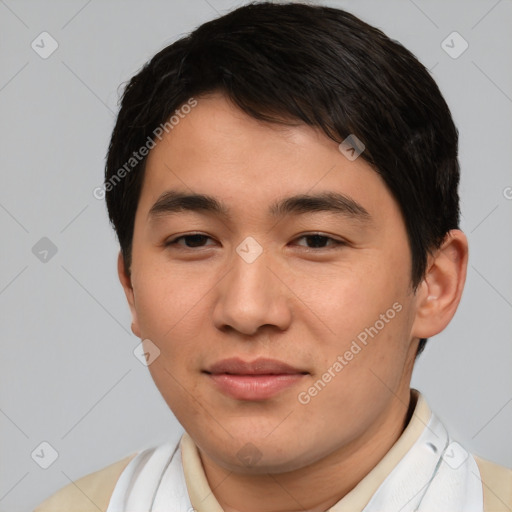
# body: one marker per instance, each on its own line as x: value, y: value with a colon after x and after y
x: 337, y: 243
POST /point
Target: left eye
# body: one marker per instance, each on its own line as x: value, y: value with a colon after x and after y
x: 319, y: 241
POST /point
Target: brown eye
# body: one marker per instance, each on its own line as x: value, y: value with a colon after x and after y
x: 319, y: 241
x: 191, y: 241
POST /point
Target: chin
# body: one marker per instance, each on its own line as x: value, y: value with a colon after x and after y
x: 261, y: 456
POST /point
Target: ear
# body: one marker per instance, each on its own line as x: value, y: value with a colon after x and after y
x: 439, y: 294
x: 126, y: 281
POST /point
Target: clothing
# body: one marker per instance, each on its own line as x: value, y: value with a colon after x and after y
x: 425, y: 470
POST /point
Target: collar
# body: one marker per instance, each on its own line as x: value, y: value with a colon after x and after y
x: 203, y: 499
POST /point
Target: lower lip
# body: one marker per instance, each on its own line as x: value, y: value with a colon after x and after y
x: 254, y: 387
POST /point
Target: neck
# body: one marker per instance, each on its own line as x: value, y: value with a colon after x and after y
x: 319, y: 486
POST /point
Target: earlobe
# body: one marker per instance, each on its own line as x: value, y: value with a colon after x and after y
x: 126, y: 282
x: 439, y: 294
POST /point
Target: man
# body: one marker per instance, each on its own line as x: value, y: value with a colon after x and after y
x: 283, y: 184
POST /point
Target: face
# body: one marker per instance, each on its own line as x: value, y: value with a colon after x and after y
x: 320, y: 283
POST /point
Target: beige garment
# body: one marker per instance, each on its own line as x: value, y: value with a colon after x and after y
x: 92, y: 492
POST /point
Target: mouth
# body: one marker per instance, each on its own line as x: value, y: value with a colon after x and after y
x: 257, y: 380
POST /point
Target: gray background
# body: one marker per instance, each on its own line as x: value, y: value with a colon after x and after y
x: 68, y: 373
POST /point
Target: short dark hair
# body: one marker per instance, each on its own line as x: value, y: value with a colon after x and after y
x: 322, y: 66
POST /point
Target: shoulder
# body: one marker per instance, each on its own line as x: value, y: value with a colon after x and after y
x: 90, y: 493
x: 496, y: 484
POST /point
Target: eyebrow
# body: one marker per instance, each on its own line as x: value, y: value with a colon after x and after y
x: 172, y: 201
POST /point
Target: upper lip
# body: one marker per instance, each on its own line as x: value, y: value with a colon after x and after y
x: 261, y: 366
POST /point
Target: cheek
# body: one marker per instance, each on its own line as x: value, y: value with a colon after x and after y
x: 368, y: 317
x: 353, y: 383
x: 177, y: 389
x: 350, y: 300
x: 170, y: 304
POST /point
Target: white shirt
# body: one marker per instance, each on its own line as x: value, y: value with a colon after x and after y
x: 424, y: 471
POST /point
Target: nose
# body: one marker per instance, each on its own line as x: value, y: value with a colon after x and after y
x: 252, y: 295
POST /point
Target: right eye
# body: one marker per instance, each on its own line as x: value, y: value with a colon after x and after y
x: 192, y: 240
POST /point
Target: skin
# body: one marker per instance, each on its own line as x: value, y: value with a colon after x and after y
x: 200, y: 303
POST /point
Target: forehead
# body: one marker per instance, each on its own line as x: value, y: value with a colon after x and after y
x: 216, y: 150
